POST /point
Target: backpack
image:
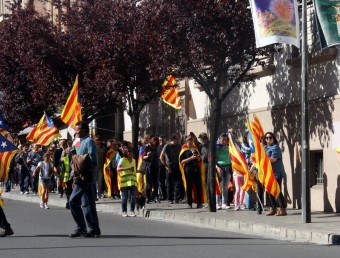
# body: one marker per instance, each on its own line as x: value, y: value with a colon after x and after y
x: 82, y: 167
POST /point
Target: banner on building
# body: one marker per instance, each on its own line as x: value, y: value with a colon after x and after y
x: 328, y: 21
x: 275, y: 21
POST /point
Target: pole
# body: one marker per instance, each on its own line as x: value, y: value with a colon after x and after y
x: 305, y: 188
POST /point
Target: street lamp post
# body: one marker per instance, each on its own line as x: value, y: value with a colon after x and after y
x: 305, y: 188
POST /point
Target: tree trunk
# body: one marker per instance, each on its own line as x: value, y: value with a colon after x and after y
x: 214, y: 125
x: 135, y: 133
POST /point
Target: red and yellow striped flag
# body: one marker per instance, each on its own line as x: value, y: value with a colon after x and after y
x: 170, y: 93
x: 203, y: 198
x: 44, y: 132
x: 239, y: 163
x: 257, y: 126
x: 108, y: 159
x: 263, y: 165
x: 72, y: 110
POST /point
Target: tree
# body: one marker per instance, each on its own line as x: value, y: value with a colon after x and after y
x: 33, y: 73
x: 212, y: 42
x: 112, y: 49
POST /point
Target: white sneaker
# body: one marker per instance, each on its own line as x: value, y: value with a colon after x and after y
x: 42, y: 205
x: 124, y: 214
x: 132, y: 214
x: 45, y: 206
x: 218, y: 207
x: 237, y: 208
x: 225, y: 207
x: 21, y: 192
x: 243, y: 207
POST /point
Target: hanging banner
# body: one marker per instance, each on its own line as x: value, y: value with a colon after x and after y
x: 275, y: 21
x: 328, y: 21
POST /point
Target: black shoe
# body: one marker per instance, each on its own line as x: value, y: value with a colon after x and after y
x: 200, y: 206
x: 67, y: 205
x: 259, y: 212
x: 93, y: 233
x: 6, y: 232
x: 78, y: 233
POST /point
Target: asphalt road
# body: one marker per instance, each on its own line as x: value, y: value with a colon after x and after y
x: 44, y: 233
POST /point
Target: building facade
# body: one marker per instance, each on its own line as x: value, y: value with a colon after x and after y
x: 275, y: 97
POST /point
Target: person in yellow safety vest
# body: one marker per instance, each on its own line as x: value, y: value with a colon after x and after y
x: 127, y: 180
x: 65, y: 173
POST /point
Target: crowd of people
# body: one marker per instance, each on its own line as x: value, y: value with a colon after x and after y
x: 172, y: 171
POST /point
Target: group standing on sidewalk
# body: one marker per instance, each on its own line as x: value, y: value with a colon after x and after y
x: 173, y: 173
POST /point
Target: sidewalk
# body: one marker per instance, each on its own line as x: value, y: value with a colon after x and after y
x: 324, y: 229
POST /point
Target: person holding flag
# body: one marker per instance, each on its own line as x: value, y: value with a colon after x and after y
x: 192, y: 169
x: 7, y: 154
x: 275, y: 156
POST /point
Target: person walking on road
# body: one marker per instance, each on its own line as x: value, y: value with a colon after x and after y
x: 6, y: 229
x: 45, y: 171
x: 83, y: 197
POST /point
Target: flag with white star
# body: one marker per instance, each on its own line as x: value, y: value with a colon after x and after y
x: 44, y: 132
x: 7, y: 152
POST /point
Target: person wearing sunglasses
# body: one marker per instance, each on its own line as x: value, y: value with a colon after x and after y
x: 275, y: 155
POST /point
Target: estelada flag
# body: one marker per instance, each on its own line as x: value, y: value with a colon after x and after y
x: 44, y: 132
x: 170, y: 93
x: 3, y: 127
x: 7, y: 152
x: 72, y: 110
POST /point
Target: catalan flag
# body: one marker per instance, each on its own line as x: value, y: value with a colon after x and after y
x: 72, y: 110
x: 141, y: 178
x: 44, y: 132
x: 257, y: 126
x: 170, y: 93
x: 263, y: 165
x: 239, y: 163
x: 7, y: 152
x: 110, y: 155
x: 203, y: 197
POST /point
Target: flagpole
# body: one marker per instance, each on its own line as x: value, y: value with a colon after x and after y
x: 305, y: 188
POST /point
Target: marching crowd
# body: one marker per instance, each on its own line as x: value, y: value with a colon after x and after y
x: 173, y: 171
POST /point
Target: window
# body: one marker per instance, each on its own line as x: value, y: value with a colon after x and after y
x: 316, y: 167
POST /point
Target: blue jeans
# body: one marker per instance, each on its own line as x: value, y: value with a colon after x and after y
x: 249, y: 198
x: 125, y: 191
x: 225, y: 179
x: 24, y: 180
x: 83, y: 204
x: 8, y: 184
